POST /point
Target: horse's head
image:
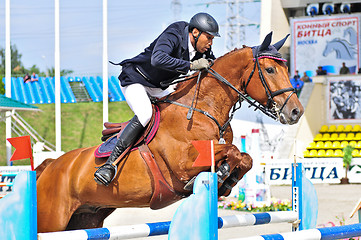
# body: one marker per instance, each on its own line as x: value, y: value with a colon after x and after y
x: 271, y: 87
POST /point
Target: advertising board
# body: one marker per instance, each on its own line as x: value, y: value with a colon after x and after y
x: 325, y: 41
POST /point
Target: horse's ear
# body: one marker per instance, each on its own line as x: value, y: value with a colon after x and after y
x: 266, y: 42
x: 279, y: 44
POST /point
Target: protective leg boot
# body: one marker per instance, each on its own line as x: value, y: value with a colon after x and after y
x: 106, y: 173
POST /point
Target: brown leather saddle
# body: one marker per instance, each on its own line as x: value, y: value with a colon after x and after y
x: 112, y: 132
x: 163, y: 193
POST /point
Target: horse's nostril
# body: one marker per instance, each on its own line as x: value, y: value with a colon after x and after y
x: 295, y: 113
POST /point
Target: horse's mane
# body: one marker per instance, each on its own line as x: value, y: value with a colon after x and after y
x: 349, y: 48
x: 342, y: 41
x: 231, y: 52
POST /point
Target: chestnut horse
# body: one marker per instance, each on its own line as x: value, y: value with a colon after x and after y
x: 69, y: 198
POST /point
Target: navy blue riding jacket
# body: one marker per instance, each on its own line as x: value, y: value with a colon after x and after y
x: 166, y: 58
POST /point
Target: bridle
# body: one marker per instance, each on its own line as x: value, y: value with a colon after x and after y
x: 271, y: 106
x: 270, y: 109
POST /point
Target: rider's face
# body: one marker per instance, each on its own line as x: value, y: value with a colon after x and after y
x: 205, y: 40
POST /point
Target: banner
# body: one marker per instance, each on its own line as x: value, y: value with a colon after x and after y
x: 325, y: 41
x: 317, y: 170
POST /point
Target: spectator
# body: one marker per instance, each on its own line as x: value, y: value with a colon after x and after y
x: 297, y: 84
x: 305, y: 78
x: 344, y: 69
x: 321, y: 71
x: 297, y: 75
x: 27, y: 78
x: 34, y: 77
x: 359, y: 71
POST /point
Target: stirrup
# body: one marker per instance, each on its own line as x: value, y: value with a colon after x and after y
x: 100, y: 179
x: 190, y: 183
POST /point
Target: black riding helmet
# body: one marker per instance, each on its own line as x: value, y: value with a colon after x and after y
x: 204, y: 23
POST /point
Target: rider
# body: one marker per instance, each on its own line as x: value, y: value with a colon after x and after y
x: 179, y: 48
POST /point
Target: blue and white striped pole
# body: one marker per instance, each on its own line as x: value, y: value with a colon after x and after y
x: 161, y: 228
x: 257, y: 219
x: 328, y: 233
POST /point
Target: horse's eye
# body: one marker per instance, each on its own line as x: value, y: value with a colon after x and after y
x: 270, y: 70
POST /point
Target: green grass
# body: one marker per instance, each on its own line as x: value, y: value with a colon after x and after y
x: 81, y: 124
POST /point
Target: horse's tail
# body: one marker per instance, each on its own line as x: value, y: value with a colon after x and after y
x: 39, y: 169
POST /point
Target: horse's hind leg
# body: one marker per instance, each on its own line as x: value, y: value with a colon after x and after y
x: 87, y: 220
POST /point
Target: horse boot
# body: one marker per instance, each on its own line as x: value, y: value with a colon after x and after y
x: 106, y: 173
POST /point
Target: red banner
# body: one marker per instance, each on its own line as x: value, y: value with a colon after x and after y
x: 23, y: 150
x: 206, y: 153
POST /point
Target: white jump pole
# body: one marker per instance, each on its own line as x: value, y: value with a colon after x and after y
x: 105, y: 61
x: 7, y: 78
x: 57, y: 80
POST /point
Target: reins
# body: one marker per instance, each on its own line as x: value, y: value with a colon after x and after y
x: 221, y: 128
x: 269, y: 110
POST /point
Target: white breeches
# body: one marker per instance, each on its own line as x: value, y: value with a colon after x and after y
x: 137, y: 98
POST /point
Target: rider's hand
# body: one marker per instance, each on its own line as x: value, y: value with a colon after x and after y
x: 199, y: 64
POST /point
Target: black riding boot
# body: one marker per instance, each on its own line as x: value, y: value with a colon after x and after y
x: 106, y: 172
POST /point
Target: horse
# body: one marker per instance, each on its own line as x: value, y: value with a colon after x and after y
x: 68, y: 197
x: 343, y: 49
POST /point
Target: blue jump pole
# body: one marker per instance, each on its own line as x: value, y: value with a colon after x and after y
x: 328, y: 233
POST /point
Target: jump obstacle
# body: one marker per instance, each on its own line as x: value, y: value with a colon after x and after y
x: 197, y: 214
x: 162, y: 228
x: 18, y: 209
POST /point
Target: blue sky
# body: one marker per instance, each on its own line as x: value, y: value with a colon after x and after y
x: 132, y: 26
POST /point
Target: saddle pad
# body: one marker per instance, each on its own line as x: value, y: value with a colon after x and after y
x: 105, y: 149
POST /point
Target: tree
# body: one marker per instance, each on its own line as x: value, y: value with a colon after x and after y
x: 16, y: 63
x: 347, y: 158
x: 63, y: 72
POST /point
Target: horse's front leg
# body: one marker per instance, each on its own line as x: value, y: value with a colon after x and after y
x: 232, y: 165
